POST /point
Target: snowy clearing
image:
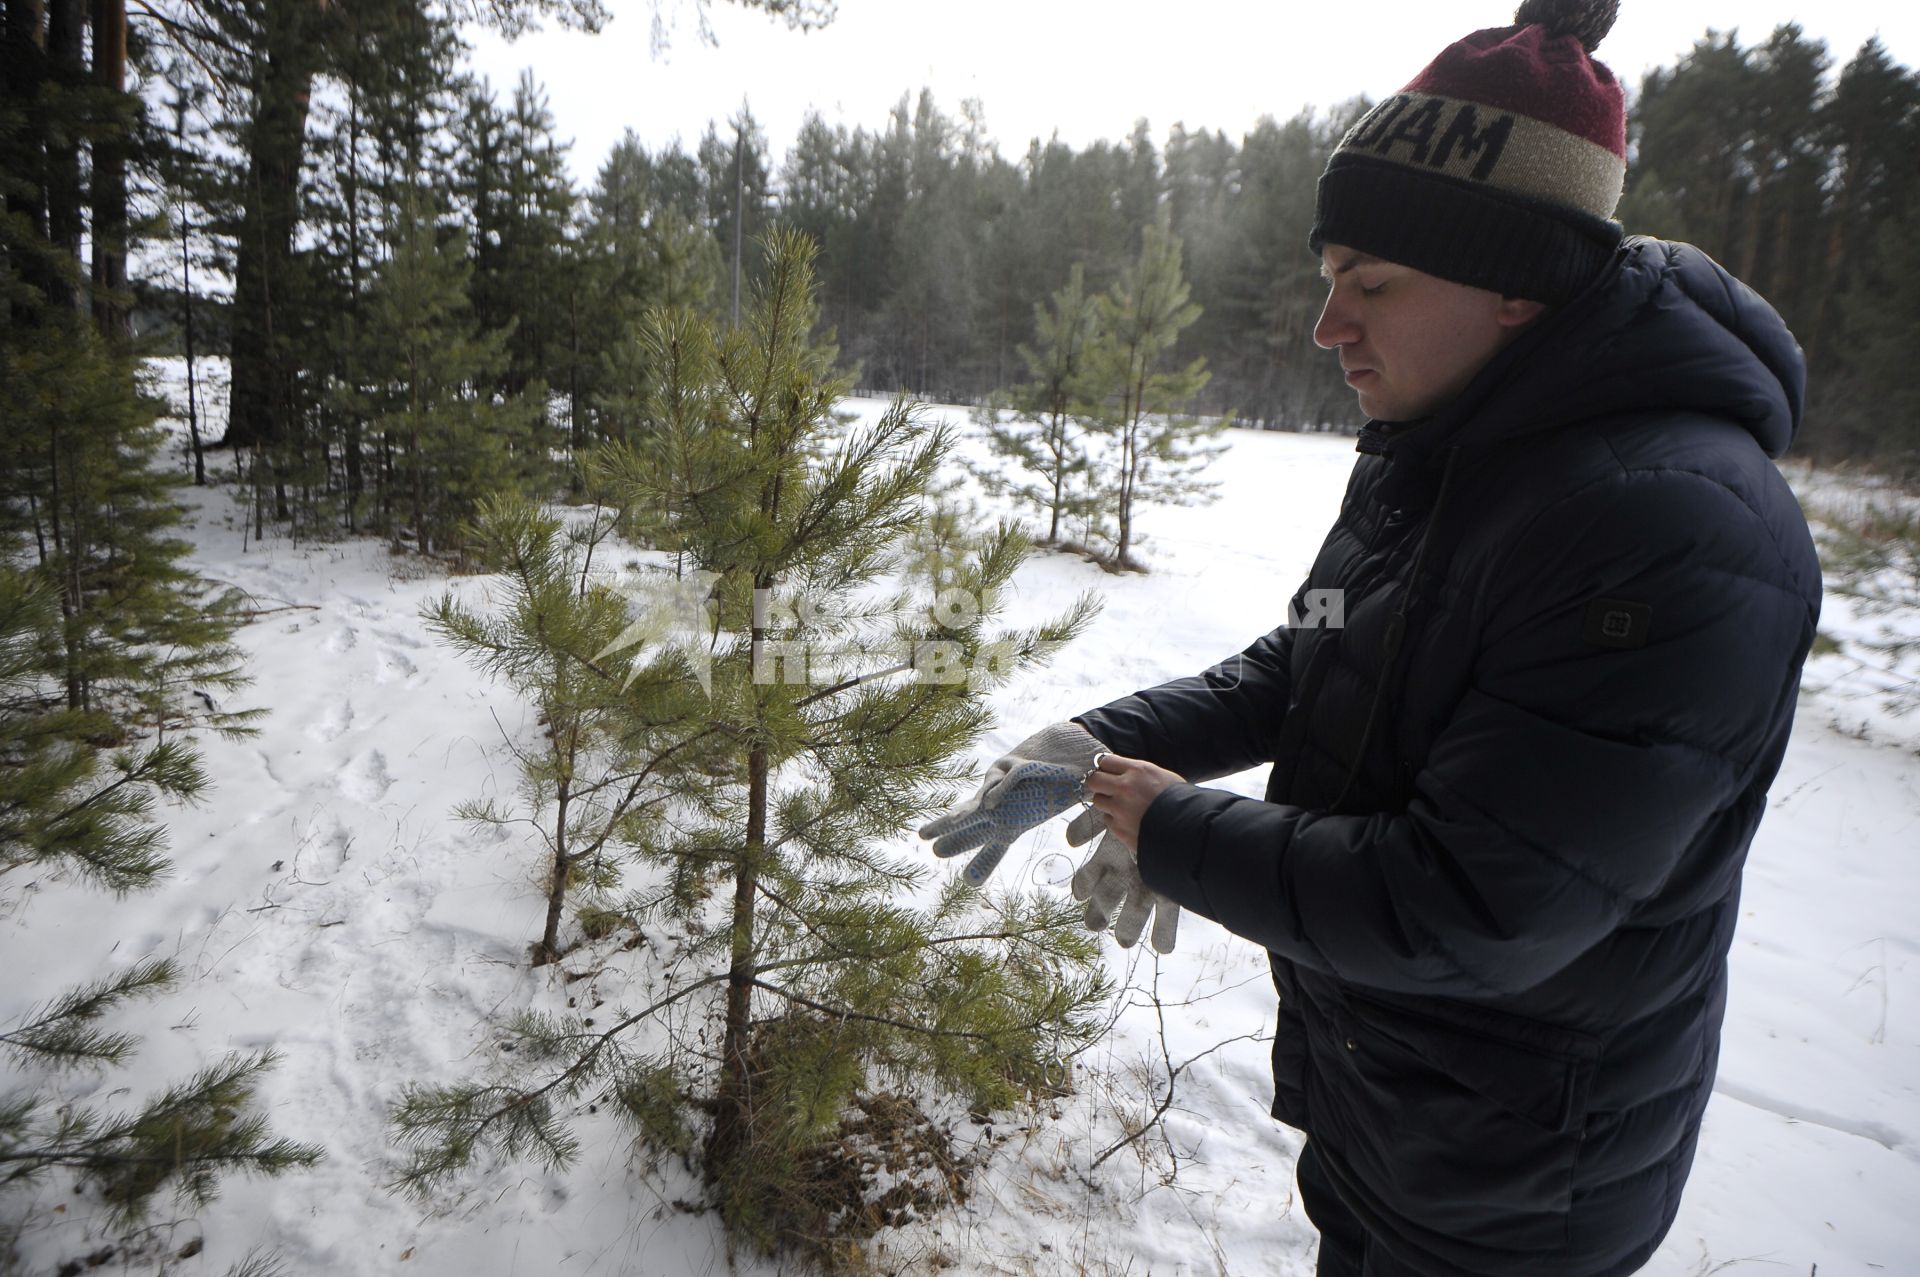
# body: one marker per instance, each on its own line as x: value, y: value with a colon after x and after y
x: 325, y: 902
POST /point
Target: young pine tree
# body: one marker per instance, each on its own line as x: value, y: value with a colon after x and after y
x: 512, y: 175
x: 818, y: 966
x: 1044, y: 436
x: 68, y: 808
x: 594, y: 782
x: 87, y: 506
x: 104, y: 633
x: 390, y: 120
x: 1156, y: 452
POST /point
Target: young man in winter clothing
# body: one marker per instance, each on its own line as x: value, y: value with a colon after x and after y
x: 1498, y: 864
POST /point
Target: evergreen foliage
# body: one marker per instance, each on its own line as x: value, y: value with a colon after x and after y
x: 1156, y: 449
x: 328, y: 109
x: 734, y: 179
x: 84, y: 494
x: 522, y: 213
x: 637, y: 266
x: 389, y: 125
x: 758, y: 808
x: 1799, y: 180
x: 63, y: 802
x: 70, y: 803
x: 273, y: 55
x: 937, y: 251
x: 1879, y: 342
x: 1040, y: 424
x: 110, y: 647
x: 446, y: 440
x: 593, y: 786
x: 184, y: 1139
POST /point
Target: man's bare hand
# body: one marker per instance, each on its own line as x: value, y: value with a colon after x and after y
x: 1121, y: 789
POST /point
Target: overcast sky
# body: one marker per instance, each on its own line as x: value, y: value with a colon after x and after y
x: 1083, y: 70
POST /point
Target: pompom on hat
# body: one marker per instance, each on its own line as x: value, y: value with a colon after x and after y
x: 1499, y: 166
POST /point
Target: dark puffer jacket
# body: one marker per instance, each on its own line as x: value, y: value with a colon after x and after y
x: 1498, y: 867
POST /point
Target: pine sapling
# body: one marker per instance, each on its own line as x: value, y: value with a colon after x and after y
x: 1156, y: 452
x: 820, y: 963
x: 1039, y: 426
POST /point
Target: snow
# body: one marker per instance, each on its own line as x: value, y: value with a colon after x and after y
x: 327, y: 904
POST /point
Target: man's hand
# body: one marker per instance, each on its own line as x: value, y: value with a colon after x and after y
x: 1121, y: 790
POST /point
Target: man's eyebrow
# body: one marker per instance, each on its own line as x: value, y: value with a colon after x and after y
x: 1358, y: 259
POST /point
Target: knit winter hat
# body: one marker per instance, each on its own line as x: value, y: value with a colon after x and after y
x: 1499, y: 166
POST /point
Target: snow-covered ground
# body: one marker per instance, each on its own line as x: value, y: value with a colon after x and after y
x: 327, y: 904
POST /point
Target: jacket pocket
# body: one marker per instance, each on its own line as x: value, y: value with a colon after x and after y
x: 1539, y: 1072
x: 1464, y: 1123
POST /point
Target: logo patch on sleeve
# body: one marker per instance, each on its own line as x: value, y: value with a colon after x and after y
x: 1618, y: 623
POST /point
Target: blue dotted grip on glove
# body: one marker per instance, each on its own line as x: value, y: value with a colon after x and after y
x: 1031, y: 793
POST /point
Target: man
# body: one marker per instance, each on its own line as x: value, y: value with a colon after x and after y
x: 1497, y: 868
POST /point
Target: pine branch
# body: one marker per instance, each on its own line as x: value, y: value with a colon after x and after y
x: 426, y: 1113
x: 61, y: 1034
x: 188, y: 1136
x: 865, y: 1017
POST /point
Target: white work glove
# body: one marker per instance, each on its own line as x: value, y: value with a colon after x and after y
x: 1110, y: 881
x: 1041, y: 777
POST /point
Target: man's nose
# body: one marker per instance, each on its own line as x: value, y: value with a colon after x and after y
x: 1336, y: 326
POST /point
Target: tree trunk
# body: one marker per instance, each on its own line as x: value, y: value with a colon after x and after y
x: 110, y: 171
x: 574, y: 440
x: 1057, y: 444
x: 186, y: 301
x: 548, y: 950
x: 1835, y: 262
x: 23, y: 75
x: 734, y: 1103
x: 263, y: 256
x: 66, y: 65
x: 422, y: 540
x: 1132, y: 403
x: 66, y: 544
x: 352, y: 443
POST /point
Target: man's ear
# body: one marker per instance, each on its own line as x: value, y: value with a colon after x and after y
x: 1518, y: 312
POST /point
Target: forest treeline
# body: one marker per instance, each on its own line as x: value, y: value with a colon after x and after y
x: 419, y: 300
x: 936, y: 247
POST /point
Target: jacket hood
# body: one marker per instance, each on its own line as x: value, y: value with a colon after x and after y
x: 1664, y: 328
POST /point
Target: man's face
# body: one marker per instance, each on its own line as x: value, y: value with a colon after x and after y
x: 1409, y: 342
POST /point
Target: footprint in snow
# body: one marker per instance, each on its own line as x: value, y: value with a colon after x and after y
x: 344, y: 639
x: 366, y: 779
x: 395, y: 667
x: 404, y: 638
x: 333, y: 721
